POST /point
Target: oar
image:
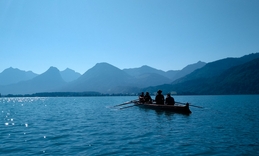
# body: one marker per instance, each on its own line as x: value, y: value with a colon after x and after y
x: 189, y: 105
x: 126, y: 103
x: 130, y: 106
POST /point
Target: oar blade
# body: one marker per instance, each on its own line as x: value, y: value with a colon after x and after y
x: 196, y: 106
x: 189, y: 104
x: 130, y: 106
x: 125, y: 103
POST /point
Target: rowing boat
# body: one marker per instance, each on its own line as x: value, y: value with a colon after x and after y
x: 174, y: 108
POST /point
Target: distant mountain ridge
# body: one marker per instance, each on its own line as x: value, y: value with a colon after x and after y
x: 143, y: 70
x: 49, y: 81
x: 69, y: 75
x: 103, y: 77
x: 188, y: 69
x: 225, y: 76
x: 217, y: 67
x: 14, y: 75
x: 171, y: 74
x: 241, y: 79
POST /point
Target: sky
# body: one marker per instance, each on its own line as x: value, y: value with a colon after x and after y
x: 163, y: 34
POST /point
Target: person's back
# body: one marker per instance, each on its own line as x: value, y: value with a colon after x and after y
x: 169, y: 100
x: 141, y: 98
x: 148, y: 98
x: 159, y: 98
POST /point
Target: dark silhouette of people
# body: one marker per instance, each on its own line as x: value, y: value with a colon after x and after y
x: 148, y: 98
x: 169, y: 100
x: 159, y: 98
x: 141, y: 98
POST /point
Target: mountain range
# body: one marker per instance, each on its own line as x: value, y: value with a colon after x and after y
x: 103, y: 78
x: 14, y: 75
x: 225, y: 76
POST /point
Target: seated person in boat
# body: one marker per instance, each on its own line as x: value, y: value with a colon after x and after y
x: 148, y: 98
x: 169, y: 100
x: 159, y: 98
x: 141, y: 98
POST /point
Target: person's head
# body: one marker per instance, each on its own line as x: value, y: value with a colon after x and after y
x: 147, y: 93
x: 168, y: 95
x: 159, y: 91
x: 142, y: 93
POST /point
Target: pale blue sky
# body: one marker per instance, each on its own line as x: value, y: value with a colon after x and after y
x: 164, y: 34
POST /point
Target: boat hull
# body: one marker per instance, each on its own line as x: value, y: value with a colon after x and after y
x: 173, y: 108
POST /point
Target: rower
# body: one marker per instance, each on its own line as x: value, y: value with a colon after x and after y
x: 141, y: 98
x: 148, y: 98
x: 169, y: 100
x: 159, y: 98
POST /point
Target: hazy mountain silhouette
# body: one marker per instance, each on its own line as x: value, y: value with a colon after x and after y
x: 188, y: 69
x: 147, y: 76
x: 69, y: 75
x: 242, y: 79
x: 143, y: 70
x: 226, y: 76
x: 149, y: 79
x: 14, y: 75
x: 106, y: 78
x: 103, y: 78
x: 46, y: 82
x: 171, y: 74
x: 215, y: 68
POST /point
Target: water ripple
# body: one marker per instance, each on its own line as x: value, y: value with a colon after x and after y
x: 89, y: 126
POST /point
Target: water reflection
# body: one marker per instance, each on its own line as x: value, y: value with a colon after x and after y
x: 65, y: 126
x: 160, y: 112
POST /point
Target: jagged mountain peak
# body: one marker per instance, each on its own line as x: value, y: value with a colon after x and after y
x: 199, y: 64
x: 53, y: 69
x: 103, y: 77
x: 148, y: 68
x: 102, y: 68
x: 68, y: 69
x: 145, y: 66
x: 104, y: 65
x: 69, y: 75
x: 11, y: 69
x: 143, y: 70
x: 52, y: 74
x: 13, y: 75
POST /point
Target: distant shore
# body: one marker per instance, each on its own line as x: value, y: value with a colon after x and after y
x: 65, y: 94
x: 85, y: 94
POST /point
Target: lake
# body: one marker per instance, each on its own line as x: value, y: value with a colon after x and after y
x: 227, y: 125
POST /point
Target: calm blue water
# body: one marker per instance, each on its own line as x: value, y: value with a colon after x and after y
x: 227, y: 125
